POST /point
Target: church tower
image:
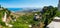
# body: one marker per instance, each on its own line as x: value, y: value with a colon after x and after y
x: 59, y: 5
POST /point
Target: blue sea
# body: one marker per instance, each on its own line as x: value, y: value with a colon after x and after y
x: 15, y: 9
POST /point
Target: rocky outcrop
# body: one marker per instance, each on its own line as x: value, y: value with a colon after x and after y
x: 59, y: 5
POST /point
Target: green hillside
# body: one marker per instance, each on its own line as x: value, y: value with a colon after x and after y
x: 24, y: 21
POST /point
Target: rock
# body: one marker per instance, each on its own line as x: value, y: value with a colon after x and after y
x: 59, y: 5
x: 30, y: 26
x: 55, y: 23
x: 10, y: 25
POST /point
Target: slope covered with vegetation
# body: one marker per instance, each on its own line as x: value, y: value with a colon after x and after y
x: 48, y: 12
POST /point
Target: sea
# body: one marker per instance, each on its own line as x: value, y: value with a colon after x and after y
x: 15, y: 9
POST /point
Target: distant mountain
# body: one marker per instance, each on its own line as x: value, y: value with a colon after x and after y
x: 30, y: 10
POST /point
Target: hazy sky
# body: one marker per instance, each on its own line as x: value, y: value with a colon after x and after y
x: 27, y: 3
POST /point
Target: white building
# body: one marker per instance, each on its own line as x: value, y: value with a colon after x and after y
x: 55, y: 23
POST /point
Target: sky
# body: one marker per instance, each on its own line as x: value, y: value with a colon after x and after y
x: 27, y: 3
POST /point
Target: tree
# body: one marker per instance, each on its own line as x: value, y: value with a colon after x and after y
x: 48, y: 12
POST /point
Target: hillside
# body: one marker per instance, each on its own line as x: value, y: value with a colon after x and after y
x: 27, y: 20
